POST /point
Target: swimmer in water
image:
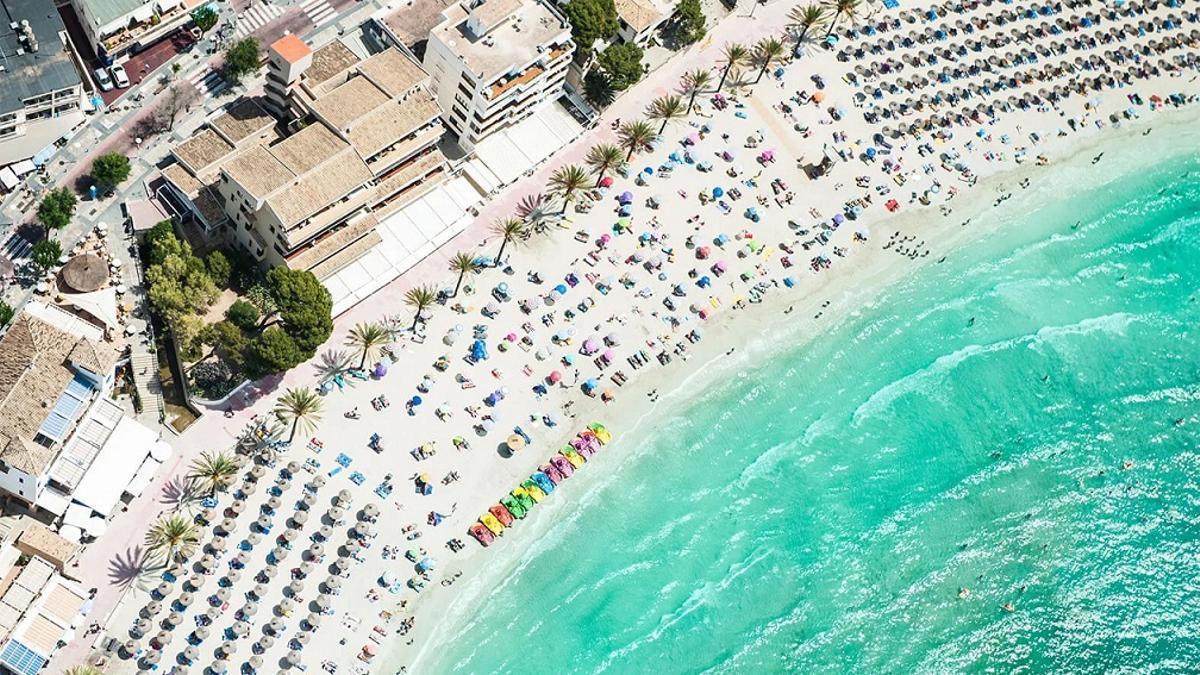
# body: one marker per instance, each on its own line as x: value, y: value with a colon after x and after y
x: 964, y: 593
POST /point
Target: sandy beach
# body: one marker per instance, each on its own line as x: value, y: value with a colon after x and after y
x: 625, y: 292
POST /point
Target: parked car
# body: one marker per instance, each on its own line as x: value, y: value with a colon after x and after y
x: 103, y: 79
x: 119, y: 76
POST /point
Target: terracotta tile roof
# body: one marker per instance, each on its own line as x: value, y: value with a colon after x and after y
x: 37, y: 539
x: 344, y: 257
x: 317, y: 190
x: 184, y: 181
x: 328, y: 62
x: 96, y: 357
x: 639, y: 14
x: 307, y: 148
x: 203, y: 149
x: 258, y: 172
x: 33, y: 374
x: 291, y: 48
x: 394, y: 72
x: 343, y: 106
x: 389, y: 123
x: 331, y: 243
x: 243, y: 119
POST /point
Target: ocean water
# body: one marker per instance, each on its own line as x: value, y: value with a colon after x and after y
x: 821, y: 509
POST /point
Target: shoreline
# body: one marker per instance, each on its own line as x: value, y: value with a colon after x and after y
x: 871, y: 272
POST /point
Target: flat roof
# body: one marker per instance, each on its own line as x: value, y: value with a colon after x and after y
x: 511, y: 44
x: 291, y: 48
x: 48, y: 69
x: 106, y: 11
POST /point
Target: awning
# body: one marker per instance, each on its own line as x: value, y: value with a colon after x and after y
x: 53, y: 501
x: 9, y: 179
x: 144, y: 475
x: 101, y: 304
x: 21, y: 659
x: 44, y: 154
x: 115, y: 466
x: 23, y: 168
x: 70, y: 533
x: 161, y: 451
x: 77, y: 515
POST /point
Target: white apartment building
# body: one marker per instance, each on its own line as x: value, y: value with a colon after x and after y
x: 41, y: 91
x: 494, y: 63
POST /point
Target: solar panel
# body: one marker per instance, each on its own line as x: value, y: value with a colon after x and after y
x: 66, y: 409
x: 79, y: 388
x: 21, y: 659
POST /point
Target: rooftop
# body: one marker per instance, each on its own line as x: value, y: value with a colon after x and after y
x: 411, y: 21
x: 338, y: 176
x: 393, y: 72
x: 291, y: 48
x: 391, y: 122
x: 506, y: 44
x: 343, y: 106
x: 328, y: 62
x: 202, y: 150
x: 639, y: 14
x: 264, y: 169
x: 34, y: 373
x: 48, y: 69
x: 241, y: 120
x: 107, y: 11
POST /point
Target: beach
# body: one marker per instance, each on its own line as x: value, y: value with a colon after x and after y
x: 699, y: 287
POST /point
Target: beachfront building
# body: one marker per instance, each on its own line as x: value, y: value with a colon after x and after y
x: 364, y: 143
x: 40, y: 608
x: 494, y: 63
x: 65, y: 447
x: 117, y: 27
x: 639, y: 20
x: 41, y: 89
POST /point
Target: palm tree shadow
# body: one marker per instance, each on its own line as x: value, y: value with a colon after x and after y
x: 335, y: 362
x: 179, y: 492
x: 133, y: 566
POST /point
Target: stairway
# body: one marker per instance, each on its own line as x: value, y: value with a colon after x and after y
x: 145, y: 379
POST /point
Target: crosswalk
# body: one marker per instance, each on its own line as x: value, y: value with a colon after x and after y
x: 256, y: 17
x: 208, y: 82
x: 318, y: 11
x: 16, y: 248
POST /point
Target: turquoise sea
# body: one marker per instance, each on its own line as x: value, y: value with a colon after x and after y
x: 821, y: 508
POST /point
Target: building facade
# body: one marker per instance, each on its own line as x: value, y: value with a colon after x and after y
x: 118, y: 27
x: 41, y: 88
x: 494, y: 63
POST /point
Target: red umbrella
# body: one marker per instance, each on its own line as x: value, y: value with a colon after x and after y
x: 555, y: 376
x: 607, y: 181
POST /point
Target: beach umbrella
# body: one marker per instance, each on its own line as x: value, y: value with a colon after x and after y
x: 372, y: 510
x: 276, y: 625
x: 273, y: 503
x: 342, y: 564
x: 248, y: 487
x: 293, y: 657
x: 151, y: 608
x: 333, y: 583
x: 319, y: 481
x: 300, y: 518
x: 164, y: 588
x: 241, y: 558
x: 258, y: 591
x: 162, y: 638
x: 173, y: 619
x: 313, y: 620
x: 202, y: 632
x: 250, y: 609
x: 233, y: 575
x: 152, y: 657
x: 264, y: 523
x: 336, y: 513
x: 296, y: 587
x: 270, y: 571
x: 348, y: 547
x: 316, y: 551
x: 258, y: 471
x: 309, y: 500
x: 279, y: 553
x: 208, y: 514
x: 142, y: 626
x: 290, y: 535
x: 185, y: 600
x: 293, y: 467
x: 195, y: 580
x: 283, y: 484
x: 322, y: 602
x: 256, y: 661
x: 345, y: 497
x: 238, y: 505
x: 191, y: 654
x: 303, y: 638
x: 306, y: 568
x: 130, y: 647
x: 254, y: 539
x: 515, y: 442
x: 364, y: 529
x: 218, y: 666
x: 266, y: 642
x: 285, y: 605
x: 223, y: 594
x: 217, y: 544
x: 213, y: 613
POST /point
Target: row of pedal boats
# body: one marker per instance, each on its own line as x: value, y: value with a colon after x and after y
x: 520, y: 501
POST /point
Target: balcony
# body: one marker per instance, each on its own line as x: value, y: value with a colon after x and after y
x: 140, y: 31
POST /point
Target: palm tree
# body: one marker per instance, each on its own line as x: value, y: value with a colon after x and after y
x: 803, y: 19
x: 419, y: 298
x: 636, y: 136
x: 367, y: 339
x: 509, y: 230
x: 667, y: 109
x: 604, y: 158
x: 534, y: 209
x: 299, y: 407
x: 175, y: 537
x: 734, y: 56
x: 695, y: 81
x: 464, y: 264
x: 767, y: 52
x: 83, y: 670
x: 566, y: 181
x: 214, y: 471
x: 846, y: 8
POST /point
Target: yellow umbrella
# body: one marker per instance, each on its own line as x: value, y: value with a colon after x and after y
x: 423, y: 478
x: 515, y: 442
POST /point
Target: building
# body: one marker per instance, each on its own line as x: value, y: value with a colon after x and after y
x: 40, y: 609
x: 365, y: 145
x: 639, y: 20
x: 496, y: 62
x: 41, y: 89
x: 119, y: 27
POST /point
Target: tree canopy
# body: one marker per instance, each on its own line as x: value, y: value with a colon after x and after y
x: 45, y: 254
x: 205, y: 18
x: 591, y: 20
x: 691, y: 21
x: 304, y: 306
x: 6, y: 313
x: 273, y: 351
x: 622, y: 64
x: 56, y: 209
x: 219, y: 268
x: 161, y: 242
x: 110, y: 170
x: 242, y: 58
x: 179, y: 286
x: 243, y: 314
